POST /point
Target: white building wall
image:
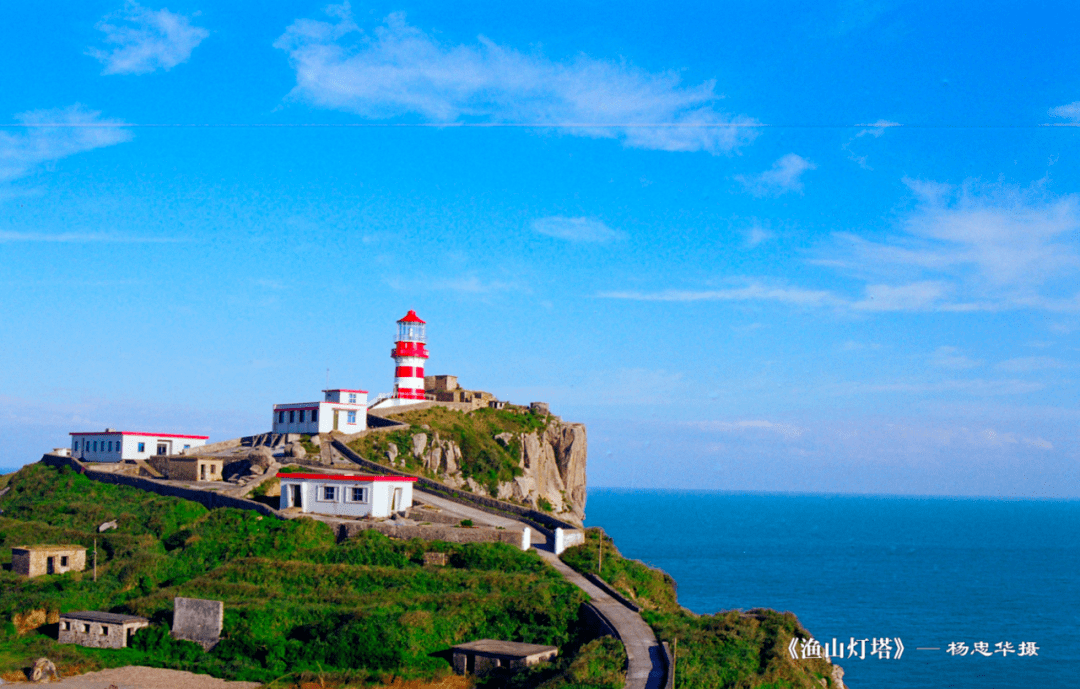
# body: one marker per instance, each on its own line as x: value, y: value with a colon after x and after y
x: 324, y: 422
x: 379, y: 495
x: 116, y: 447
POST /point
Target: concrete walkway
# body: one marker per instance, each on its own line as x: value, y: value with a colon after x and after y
x: 645, y: 661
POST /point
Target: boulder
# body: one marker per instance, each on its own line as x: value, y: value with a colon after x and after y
x: 392, y: 453
x: 256, y: 469
x: 261, y: 456
x: 419, y: 442
x: 295, y: 450
x: 106, y: 526
x: 43, y: 671
x: 540, y: 408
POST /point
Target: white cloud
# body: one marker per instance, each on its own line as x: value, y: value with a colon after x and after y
x: 576, y: 229
x: 784, y: 176
x: 82, y: 238
x: 789, y: 431
x: 399, y: 70
x: 1027, y: 364
x: 54, y: 134
x: 951, y: 358
x: 757, y: 235
x: 875, y: 130
x: 916, y: 296
x: 752, y: 292
x: 1070, y: 111
x: 985, y: 247
x: 141, y: 40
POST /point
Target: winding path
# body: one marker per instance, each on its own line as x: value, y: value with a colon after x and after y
x: 645, y: 658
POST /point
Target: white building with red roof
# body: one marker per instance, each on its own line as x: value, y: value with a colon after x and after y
x: 341, y: 410
x: 346, y: 495
x: 112, y: 445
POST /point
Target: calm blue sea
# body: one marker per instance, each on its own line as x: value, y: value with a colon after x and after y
x: 931, y: 571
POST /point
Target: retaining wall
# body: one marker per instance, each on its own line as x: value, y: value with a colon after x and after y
x: 214, y: 447
x: 606, y: 587
x: 545, y: 523
x: 596, y: 623
x: 517, y: 538
x: 207, y: 498
x: 669, y: 667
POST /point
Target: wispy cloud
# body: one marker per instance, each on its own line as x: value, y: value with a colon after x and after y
x: 751, y: 292
x: 976, y: 247
x: 951, y: 358
x: 82, y: 238
x: 141, y: 40
x: 1070, y: 111
x: 1026, y: 364
x: 916, y: 296
x: 785, y: 175
x: 398, y: 70
x: 576, y: 229
x: 757, y: 235
x: 875, y: 130
x: 787, y: 430
x: 52, y: 135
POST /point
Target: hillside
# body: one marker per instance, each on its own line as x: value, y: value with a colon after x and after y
x: 518, y: 455
x: 728, y: 650
x: 297, y: 605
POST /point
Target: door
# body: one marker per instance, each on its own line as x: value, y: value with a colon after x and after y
x: 335, y: 419
x: 202, y: 472
x: 50, y: 565
x: 396, y: 505
x: 297, y: 497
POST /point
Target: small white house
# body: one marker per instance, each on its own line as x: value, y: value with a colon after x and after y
x: 347, y: 495
x: 112, y: 445
x: 340, y: 410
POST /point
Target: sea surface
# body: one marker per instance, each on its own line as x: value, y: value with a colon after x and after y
x: 929, y: 571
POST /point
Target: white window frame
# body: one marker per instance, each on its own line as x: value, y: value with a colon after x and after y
x: 365, y: 494
x: 350, y: 417
x: 321, y: 494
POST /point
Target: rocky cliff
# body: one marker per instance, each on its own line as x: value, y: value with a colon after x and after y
x: 512, y: 455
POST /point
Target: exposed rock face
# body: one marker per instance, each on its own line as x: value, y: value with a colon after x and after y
x: 552, y: 462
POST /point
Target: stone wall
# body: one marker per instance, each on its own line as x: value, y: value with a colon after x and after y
x: 545, y: 523
x: 519, y: 538
x: 206, y: 498
x: 214, y: 447
x: 199, y: 620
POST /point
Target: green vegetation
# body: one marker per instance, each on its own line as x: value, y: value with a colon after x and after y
x: 595, y: 664
x: 727, y: 650
x: 484, y: 459
x: 295, y: 601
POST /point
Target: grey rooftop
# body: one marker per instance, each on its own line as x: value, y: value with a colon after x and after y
x: 504, y: 648
x: 103, y: 617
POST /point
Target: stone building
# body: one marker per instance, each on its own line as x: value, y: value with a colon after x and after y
x: 99, y: 629
x: 447, y: 389
x: 487, y: 655
x: 193, y: 468
x: 35, y: 560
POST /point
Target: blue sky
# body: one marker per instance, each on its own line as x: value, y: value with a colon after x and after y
x: 787, y: 248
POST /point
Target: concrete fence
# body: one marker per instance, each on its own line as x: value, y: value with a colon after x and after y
x: 669, y: 666
x: 606, y: 587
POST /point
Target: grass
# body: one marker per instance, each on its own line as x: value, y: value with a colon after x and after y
x: 728, y: 650
x: 483, y: 458
x: 297, y: 605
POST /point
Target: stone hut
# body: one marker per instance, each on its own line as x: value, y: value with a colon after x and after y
x: 487, y: 655
x: 35, y: 560
x: 99, y: 629
x: 188, y: 468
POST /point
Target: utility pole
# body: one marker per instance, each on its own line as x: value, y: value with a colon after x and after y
x: 600, y: 555
x: 674, y: 655
x: 95, y: 559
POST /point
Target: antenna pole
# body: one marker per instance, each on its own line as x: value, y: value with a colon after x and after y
x: 95, y: 559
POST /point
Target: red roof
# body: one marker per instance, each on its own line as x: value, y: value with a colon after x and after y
x: 411, y: 317
x: 346, y: 477
x: 147, y: 435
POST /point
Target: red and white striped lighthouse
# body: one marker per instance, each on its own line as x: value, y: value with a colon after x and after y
x: 409, y: 353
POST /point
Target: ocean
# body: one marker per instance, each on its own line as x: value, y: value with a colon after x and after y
x: 929, y: 571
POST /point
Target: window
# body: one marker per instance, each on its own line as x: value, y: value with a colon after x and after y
x: 301, y: 416
x: 104, y: 630
x: 351, y: 417
x: 63, y: 560
x: 213, y: 468
x: 95, y: 446
x: 65, y: 626
x: 110, y: 446
x: 314, y: 415
x: 162, y: 449
x: 359, y: 494
x: 142, y: 447
x: 292, y: 416
x: 74, y: 444
x: 86, y: 629
x: 352, y: 398
x: 328, y: 492
x: 187, y: 447
x: 281, y: 417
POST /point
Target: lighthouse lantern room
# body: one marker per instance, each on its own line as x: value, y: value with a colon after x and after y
x: 409, y: 353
